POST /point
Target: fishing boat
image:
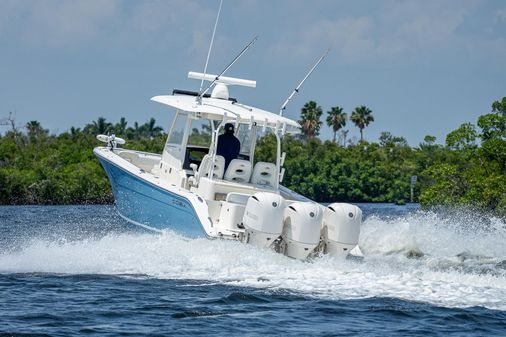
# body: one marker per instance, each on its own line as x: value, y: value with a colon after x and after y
x: 193, y: 190
x: 187, y: 189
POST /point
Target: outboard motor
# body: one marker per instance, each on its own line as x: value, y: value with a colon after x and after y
x: 341, y: 228
x: 263, y: 218
x: 301, y: 231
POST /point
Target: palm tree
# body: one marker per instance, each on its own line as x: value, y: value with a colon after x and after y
x: 310, y: 119
x: 361, y: 117
x: 121, y: 127
x: 35, y: 130
x: 134, y: 132
x: 101, y: 126
x: 151, y: 129
x: 336, y: 119
x: 98, y: 127
x: 74, y: 131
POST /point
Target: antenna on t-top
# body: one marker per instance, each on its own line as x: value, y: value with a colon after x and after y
x: 210, y: 47
x: 296, y: 90
x: 217, y: 78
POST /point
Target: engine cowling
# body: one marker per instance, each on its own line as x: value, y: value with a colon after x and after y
x: 263, y: 218
x: 341, y: 228
x: 301, y: 230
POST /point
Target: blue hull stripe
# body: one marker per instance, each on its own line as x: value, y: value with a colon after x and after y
x: 148, y: 205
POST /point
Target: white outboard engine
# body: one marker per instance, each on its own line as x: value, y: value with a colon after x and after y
x: 301, y: 231
x: 341, y: 228
x: 263, y: 218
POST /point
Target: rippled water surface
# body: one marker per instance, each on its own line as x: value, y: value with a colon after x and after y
x: 82, y: 270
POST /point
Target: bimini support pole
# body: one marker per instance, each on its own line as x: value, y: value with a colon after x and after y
x: 278, y: 154
x: 296, y: 90
x: 215, y: 145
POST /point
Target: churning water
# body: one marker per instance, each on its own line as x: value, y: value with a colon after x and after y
x: 81, y: 269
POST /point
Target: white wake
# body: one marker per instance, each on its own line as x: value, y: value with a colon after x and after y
x: 420, y: 257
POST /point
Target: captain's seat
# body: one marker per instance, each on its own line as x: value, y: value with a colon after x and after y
x: 264, y: 174
x: 238, y: 171
x: 205, y: 165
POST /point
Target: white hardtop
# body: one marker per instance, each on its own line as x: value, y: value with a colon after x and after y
x: 218, y: 109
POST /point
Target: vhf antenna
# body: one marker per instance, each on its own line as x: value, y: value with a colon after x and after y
x: 199, y: 97
x: 283, y: 107
x: 210, y: 47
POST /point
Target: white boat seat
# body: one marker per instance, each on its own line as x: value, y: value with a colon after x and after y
x: 205, y: 165
x: 264, y: 174
x: 239, y: 171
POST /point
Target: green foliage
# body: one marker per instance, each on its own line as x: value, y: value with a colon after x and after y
x: 499, y: 107
x: 362, y: 117
x: 470, y: 174
x: 493, y: 125
x: 429, y: 140
x: 38, y: 168
x: 336, y: 119
x: 358, y: 173
x: 200, y: 137
x: 462, y: 138
x: 388, y: 140
x: 137, y: 132
x: 100, y: 126
x: 470, y: 170
x: 310, y: 121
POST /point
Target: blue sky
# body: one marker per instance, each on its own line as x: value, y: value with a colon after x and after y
x: 423, y: 67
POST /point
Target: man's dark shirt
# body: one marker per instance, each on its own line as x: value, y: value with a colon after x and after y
x: 228, y: 147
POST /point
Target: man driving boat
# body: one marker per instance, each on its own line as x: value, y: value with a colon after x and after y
x: 228, y: 145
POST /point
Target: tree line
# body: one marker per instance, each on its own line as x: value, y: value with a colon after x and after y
x: 468, y: 170
x: 39, y: 168
x: 310, y: 120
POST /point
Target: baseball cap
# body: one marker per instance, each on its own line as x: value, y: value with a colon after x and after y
x: 229, y: 127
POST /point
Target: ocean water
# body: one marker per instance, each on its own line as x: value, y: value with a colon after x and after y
x: 82, y: 270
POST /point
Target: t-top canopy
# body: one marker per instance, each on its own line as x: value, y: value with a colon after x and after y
x: 213, y: 108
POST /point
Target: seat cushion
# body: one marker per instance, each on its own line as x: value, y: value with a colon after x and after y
x: 239, y: 171
x: 205, y: 165
x: 264, y: 174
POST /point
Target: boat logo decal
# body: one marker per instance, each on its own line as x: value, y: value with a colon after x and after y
x: 178, y: 203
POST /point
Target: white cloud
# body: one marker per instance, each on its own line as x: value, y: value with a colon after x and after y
x: 389, y: 31
x: 57, y: 23
x: 64, y: 23
x: 501, y: 14
x: 396, y: 31
x: 348, y: 37
x: 419, y: 27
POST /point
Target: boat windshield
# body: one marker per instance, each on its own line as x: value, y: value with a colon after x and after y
x: 200, y: 133
x: 177, y: 130
x: 243, y: 133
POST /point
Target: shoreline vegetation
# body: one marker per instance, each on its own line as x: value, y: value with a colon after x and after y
x: 469, y: 170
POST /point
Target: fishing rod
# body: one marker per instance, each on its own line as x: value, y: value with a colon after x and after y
x: 296, y: 90
x: 199, y: 97
x: 210, y: 46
